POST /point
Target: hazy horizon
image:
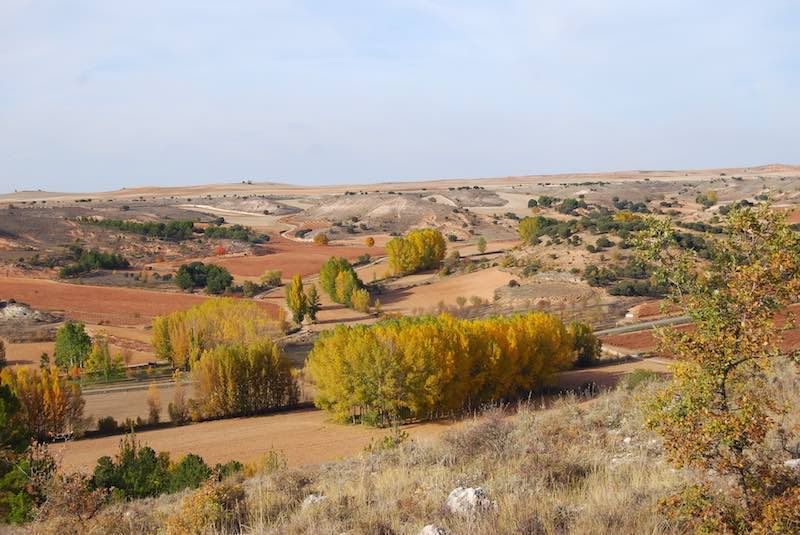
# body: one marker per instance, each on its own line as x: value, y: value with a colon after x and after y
x: 95, y: 96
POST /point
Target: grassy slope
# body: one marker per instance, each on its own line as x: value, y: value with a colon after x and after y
x: 567, y: 469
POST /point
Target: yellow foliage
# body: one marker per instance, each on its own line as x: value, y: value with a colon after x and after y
x: 50, y: 406
x: 426, y: 366
x: 181, y: 337
x: 419, y: 249
x: 361, y: 300
x: 214, y: 507
x: 244, y: 379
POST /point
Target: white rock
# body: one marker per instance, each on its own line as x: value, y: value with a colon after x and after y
x: 312, y: 499
x: 627, y: 440
x: 430, y: 529
x: 792, y: 463
x: 468, y: 501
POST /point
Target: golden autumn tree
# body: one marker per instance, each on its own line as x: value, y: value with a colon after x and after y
x: 360, y: 300
x: 720, y: 412
x: 427, y: 366
x: 153, y: 404
x: 181, y: 337
x: 239, y: 379
x: 100, y: 364
x: 418, y: 250
x: 50, y: 406
x: 296, y: 299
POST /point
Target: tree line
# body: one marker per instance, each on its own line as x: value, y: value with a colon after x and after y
x: 84, y: 261
x: 421, y: 367
x: 181, y: 337
x: 179, y: 230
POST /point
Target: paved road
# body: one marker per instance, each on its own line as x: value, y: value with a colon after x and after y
x: 644, y: 326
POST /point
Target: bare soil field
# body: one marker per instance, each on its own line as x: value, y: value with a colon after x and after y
x: 427, y: 297
x: 92, y: 304
x: 282, y: 254
x: 645, y: 341
x: 306, y: 437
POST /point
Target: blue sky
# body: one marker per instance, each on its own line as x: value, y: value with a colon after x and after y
x: 96, y: 95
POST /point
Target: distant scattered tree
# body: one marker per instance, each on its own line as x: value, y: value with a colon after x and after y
x: 313, y: 304
x: 321, y: 238
x: 370, y: 241
x: 296, y: 299
x: 338, y: 279
x: 249, y: 288
x: 72, y: 345
x: 218, y: 279
x: 347, y: 282
x: 153, y: 404
x: 215, y: 279
x: 44, y: 360
x: 481, y: 245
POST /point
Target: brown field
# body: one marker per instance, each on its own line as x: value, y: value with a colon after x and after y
x: 282, y: 254
x: 92, y: 304
x: 305, y: 436
x: 480, y: 283
x: 645, y: 341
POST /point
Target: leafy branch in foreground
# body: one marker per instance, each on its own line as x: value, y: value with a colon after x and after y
x: 719, y: 413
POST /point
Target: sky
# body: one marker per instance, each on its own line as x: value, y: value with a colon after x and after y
x: 97, y: 95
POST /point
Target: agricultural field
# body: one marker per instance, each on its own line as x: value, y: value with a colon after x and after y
x: 266, y: 299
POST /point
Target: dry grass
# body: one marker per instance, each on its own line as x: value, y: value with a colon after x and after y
x: 578, y: 467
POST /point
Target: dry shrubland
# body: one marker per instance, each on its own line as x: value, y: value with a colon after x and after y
x: 578, y: 467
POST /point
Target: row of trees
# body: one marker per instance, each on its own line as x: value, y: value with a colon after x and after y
x: 244, y: 379
x: 418, y: 250
x: 421, y: 367
x: 172, y: 230
x: 339, y: 280
x: 178, y: 230
x: 181, y: 337
x: 90, y: 260
x: 48, y: 405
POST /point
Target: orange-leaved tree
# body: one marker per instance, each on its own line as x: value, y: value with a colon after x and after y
x: 719, y: 413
